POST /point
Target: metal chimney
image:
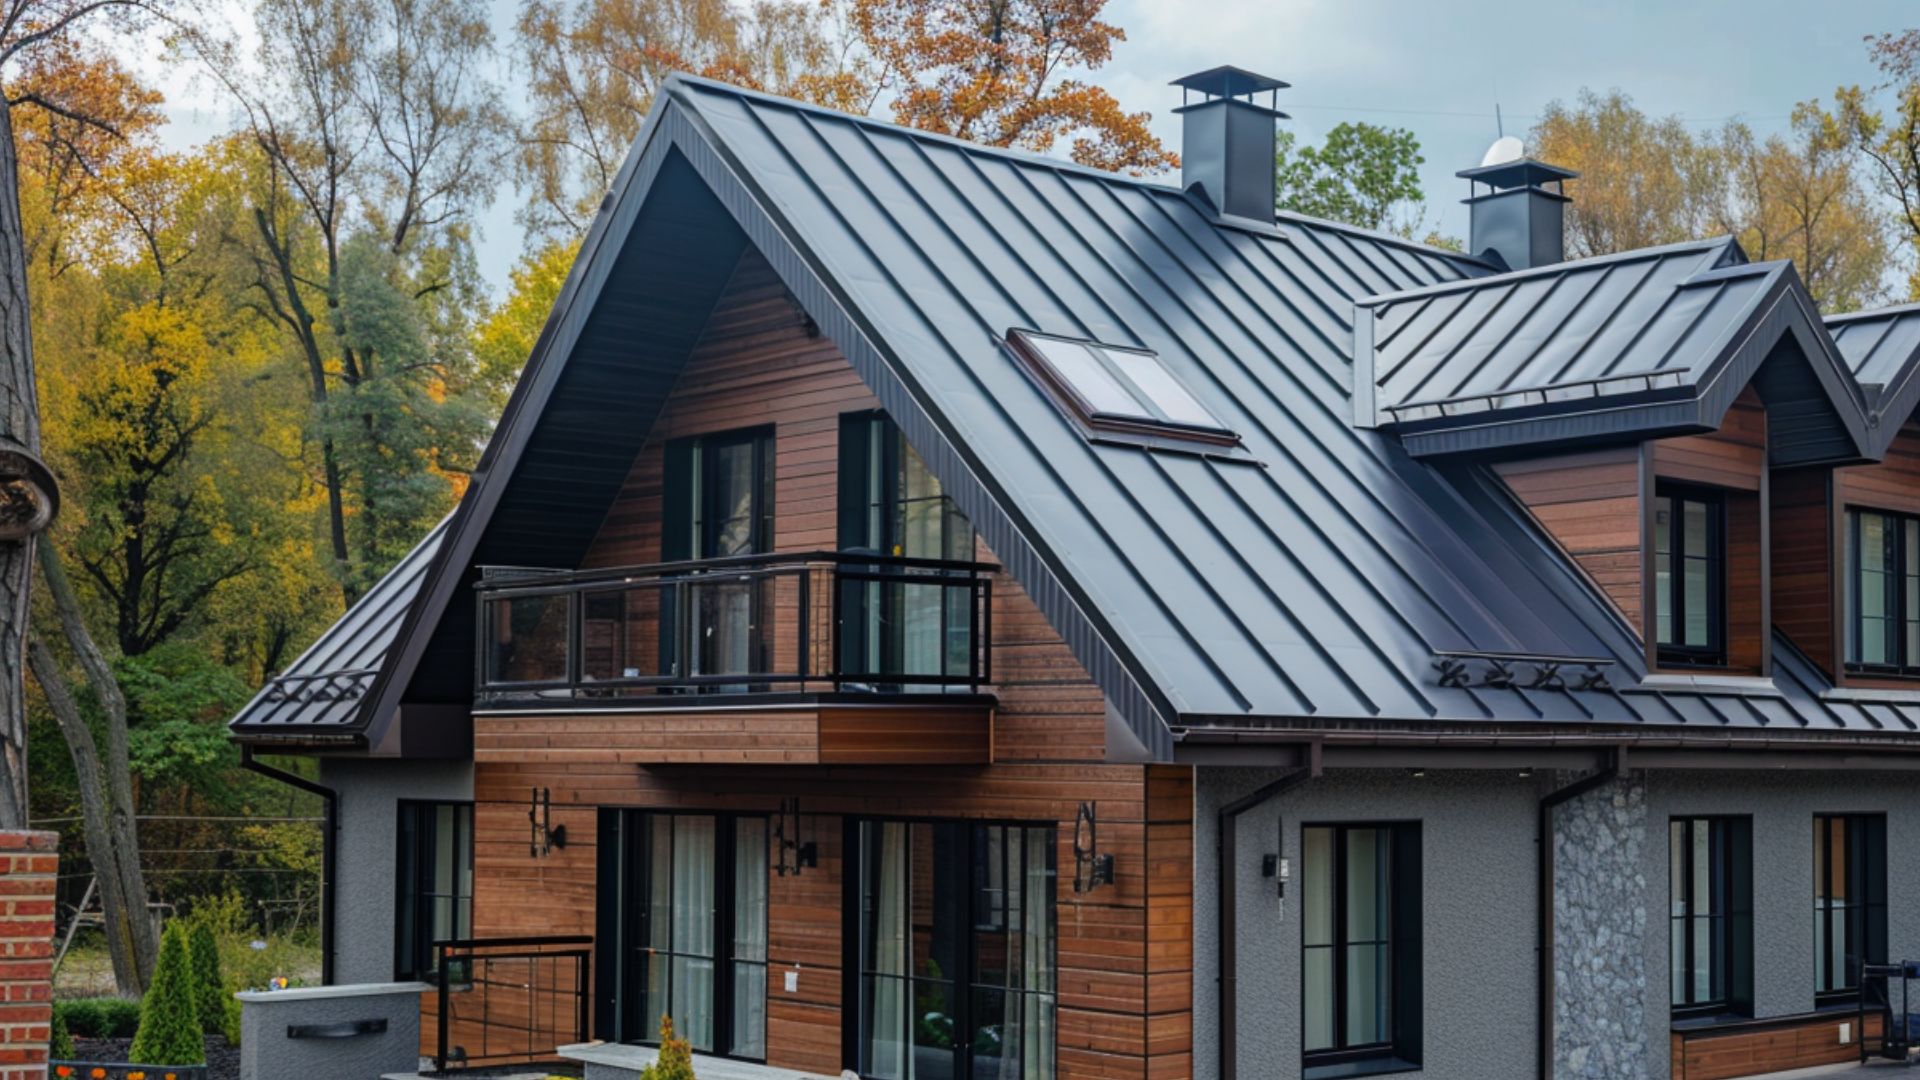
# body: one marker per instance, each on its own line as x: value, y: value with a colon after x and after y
x: 1517, y: 222
x: 1226, y: 140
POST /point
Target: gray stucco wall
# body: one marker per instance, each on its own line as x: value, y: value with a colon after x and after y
x: 1478, y: 913
x: 1477, y: 859
x: 370, y: 791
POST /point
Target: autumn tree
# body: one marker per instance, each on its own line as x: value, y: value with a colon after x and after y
x: 1643, y: 181
x: 1360, y: 174
x: 1888, y: 138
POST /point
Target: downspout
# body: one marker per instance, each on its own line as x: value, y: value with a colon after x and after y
x: 1615, y: 767
x: 1228, y: 947
x: 330, y: 799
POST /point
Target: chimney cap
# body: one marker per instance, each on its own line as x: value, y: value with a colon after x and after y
x: 1226, y: 83
x: 1526, y: 172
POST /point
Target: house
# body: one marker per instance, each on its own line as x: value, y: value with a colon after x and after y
x: 930, y: 610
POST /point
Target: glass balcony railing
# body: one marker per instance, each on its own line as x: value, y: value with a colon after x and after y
x: 834, y: 621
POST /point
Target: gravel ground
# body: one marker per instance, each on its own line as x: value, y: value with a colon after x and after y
x: 223, y: 1061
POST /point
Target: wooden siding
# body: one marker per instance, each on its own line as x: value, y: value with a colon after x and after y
x: 1722, y: 1055
x: 1893, y: 483
x: 1125, y: 951
x: 758, y: 366
x: 1804, y: 571
x: 817, y: 734
x: 1590, y: 504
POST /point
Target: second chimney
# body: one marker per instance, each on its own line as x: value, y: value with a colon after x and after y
x: 1517, y: 221
x: 1226, y: 140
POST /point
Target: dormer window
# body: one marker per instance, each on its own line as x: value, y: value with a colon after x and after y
x: 1121, y: 393
x: 1883, y: 627
x: 1689, y: 568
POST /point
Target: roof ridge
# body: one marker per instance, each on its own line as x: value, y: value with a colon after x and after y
x: 1381, y: 236
x: 1718, y: 243
x: 1891, y: 311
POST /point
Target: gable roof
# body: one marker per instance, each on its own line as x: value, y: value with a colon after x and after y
x: 1882, y: 349
x: 1644, y: 343
x: 1314, y: 584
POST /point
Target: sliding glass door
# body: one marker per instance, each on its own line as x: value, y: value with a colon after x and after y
x: 683, y: 929
x: 955, y: 972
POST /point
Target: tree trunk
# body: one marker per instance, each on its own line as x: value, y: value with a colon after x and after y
x: 20, y: 425
x: 122, y: 920
x: 121, y: 824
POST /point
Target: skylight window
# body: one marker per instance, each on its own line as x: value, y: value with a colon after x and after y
x: 1120, y: 391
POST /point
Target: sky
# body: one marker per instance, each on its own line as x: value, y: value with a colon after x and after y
x: 1437, y: 68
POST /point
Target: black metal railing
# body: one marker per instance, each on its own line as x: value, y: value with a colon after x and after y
x: 791, y: 623
x: 510, y: 1001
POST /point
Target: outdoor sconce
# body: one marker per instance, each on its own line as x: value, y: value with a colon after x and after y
x: 546, y: 835
x: 791, y: 854
x: 1277, y: 866
x: 1091, y: 867
x: 29, y: 497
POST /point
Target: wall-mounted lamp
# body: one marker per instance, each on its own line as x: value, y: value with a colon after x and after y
x: 790, y: 853
x: 1276, y: 866
x: 546, y: 835
x: 1091, y: 867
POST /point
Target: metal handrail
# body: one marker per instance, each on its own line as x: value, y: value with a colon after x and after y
x: 469, y: 955
x: 679, y: 585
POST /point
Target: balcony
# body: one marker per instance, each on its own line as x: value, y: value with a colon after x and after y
x: 824, y: 657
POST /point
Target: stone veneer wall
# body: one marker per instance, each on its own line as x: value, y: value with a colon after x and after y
x: 1600, y: 921
x: 28, y: 861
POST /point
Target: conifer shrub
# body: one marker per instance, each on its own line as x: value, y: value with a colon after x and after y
x: 204, y: 952
x: 675, y: 1061
x: 170, y: 1030
x: 59, y: 1039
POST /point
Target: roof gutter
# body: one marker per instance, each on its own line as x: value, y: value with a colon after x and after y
x: 1543, y: 1022
x: 1228, y: 960
x: 329, y: 848
x: 1457, y: 738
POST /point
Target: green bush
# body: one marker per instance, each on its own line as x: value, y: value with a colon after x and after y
x: 59, y: 1039
x: 675, y: 1061
x: 230, y: 1020
x: 204, y: 952
x: 99, y: 1018
x: 170, y: 1013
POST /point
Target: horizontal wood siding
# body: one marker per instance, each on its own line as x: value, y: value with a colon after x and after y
x: 1733, y: 459
x: 1893, y: 483
x: 1124, y: 951
x: 1805, y: 604
x: 1735, y: 456
x: 1590, y: 504
x: 1725, y: 1055
x: 757, y: 366
x: 797, y: 735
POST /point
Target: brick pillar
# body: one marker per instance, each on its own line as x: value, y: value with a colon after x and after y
x: 28, y: 861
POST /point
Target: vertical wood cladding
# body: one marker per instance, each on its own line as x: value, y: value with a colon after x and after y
x: 1805, y: 603
x: 1125, y: 951
x: 1589, y: 502
x: 755, y: 366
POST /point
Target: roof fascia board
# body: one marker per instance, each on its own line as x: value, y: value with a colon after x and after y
x: 1640, y: 421
x: 1894, y: 406
x: 598, y: 253
x: 1120, y: 674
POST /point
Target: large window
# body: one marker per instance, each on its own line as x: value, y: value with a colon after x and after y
x: 718, y: 504
x: 683, y: 929
x: 1689, y: 571
x: 1883, y: 557
x: 434, y: 883
x: 1710, y: 931
x: 1849, y: 899
x: 891, y: 505
x: 955, y: 970
x: 1360, y: 945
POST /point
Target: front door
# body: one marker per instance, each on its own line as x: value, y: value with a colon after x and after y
x: 682, y: 930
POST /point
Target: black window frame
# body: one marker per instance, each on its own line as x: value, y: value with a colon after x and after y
x: 1150, y: 425
x: 1866, y: 841
x: 620, y: 1007
x: 1672, y: 653
x: 415, y: 855
x: 970, y: 858
x: 1401, y: 1050
x: 1730, y: 852
x: 1900, y: 563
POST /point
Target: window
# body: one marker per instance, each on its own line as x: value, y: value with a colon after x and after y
x: 1710, y: 931
x: 718, y: 504
x: 1883, y: 627
x: 891, y: 505
x: 1849, y: 900
x: 683, y: 929
x: 434, y: 883
x: 1360, y: 945
x: 955, y: 972
x: 1689, y: 566
x: 1119, y: 391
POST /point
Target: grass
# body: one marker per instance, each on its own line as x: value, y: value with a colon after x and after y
x: 87, y: 970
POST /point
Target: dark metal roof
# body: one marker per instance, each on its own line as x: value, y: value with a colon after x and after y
x: 1882, y: 349
x: 1525, y: 172
x: 323, y: 691
x: 1644, y: 343
x: 1317, y: 584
